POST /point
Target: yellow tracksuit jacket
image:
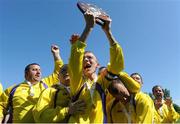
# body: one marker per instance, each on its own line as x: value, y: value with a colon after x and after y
x: 144, y: 108
x: 1, y: 89
x: 141, y: 111
x: 94, y: 111
x: 130, y: 84
x: 51, y: 110
x: 166, y: 114
x: 22, y: 101
x: 119, y: 113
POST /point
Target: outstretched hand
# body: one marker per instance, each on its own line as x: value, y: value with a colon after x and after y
x: 168, y: 101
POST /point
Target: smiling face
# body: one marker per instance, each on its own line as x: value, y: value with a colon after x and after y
x: 90, y: 64
x: 158, y: 92
x: 33, y: 73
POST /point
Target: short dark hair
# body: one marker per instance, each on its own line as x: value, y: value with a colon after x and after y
x: 93, y: 55
x: 88, y: 52
x: 154, y: 87
x: 137, y: 74
x: 100, y: 69
x: 112, y: 89
x: 64, y: 68
x: 28, y: 67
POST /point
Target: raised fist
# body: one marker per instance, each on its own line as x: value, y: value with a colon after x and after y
x: 74, y: 38
x: 54, y: 49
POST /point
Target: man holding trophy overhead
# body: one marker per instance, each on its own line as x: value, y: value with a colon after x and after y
x: 84, y: 80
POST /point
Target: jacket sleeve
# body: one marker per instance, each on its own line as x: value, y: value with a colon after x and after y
x: 76, y: 66
x: 132, y: 85
x: 53, y: 78
x: 4, y: 101
x: 44, y: 110
x: 116, y: 64
x: 173, y: 115
x: 144, y: 108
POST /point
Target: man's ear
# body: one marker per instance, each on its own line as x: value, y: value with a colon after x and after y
x: 26, y: 75
x: 98, y: 65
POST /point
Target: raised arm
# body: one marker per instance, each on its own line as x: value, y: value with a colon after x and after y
x: 107, y: 29
x: 55, y: 52
x: 77, y: 54
x: 58, y: 63
x: 90, y: 22
x: 116, y: 64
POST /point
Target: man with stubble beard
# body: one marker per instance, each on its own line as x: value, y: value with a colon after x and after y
x: 25, y: 95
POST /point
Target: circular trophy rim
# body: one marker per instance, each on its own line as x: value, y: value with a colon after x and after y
x: 99, y: 14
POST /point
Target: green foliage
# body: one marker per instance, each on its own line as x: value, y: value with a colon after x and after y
x: 166, y: 93
x: 151, y: 95
x: 178, y: 121
x: 177, y: 108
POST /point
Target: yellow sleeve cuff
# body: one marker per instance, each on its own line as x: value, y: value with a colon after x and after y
x: 132, y: 85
